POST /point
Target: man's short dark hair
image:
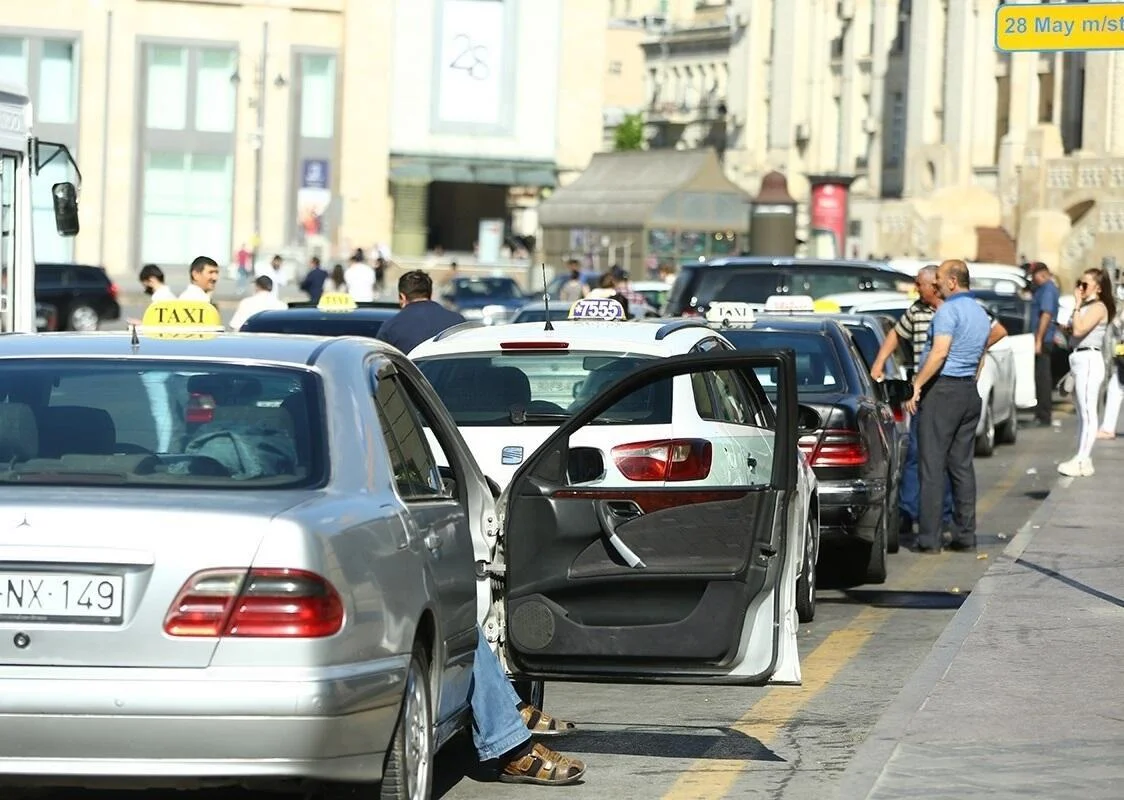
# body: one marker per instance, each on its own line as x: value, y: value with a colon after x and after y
x: 415, y: 285
x: 1038, y: 266
x: 149, y: 271
x: 264, y: 282
x: 315, y: 261
x: 201, y: 263
x: 277, y: 258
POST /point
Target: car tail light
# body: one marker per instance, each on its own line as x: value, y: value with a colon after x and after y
x: 261, y: 603
x: 664, y: 460
x: 200, y: 409
x: 534, y: 345
x: 899, y: 413
x: 113, y: 290
x: 834, y: 448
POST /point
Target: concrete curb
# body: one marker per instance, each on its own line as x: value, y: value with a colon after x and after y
x: 869, y: 762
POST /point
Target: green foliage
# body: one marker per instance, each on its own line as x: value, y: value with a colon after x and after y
x: 629, y: 135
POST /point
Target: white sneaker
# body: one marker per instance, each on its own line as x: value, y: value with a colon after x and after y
x: 1087, y: 470
x: 1071, y: 468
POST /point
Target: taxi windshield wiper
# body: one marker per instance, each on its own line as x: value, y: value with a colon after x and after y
x: 520, y: 416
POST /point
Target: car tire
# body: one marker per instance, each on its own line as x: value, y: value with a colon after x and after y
x: 806, y: 583
x: 1008, y: 431
x: 875, y: 571
x: 985, y: 442
x: 408, y: 772
x: 83, y: 318
x: 531, y: 692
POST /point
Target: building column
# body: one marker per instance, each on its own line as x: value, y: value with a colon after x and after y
x: 985, y: 87
x: 1104, y: 105
x: 364, y: 137
x: 961, y: 76
x: 885, y: 27
x: 924, y: 93
x: 411, y: 208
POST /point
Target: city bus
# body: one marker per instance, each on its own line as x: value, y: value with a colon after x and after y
x: 22, y: 155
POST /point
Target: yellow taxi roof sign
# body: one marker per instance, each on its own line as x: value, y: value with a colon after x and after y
x: 336, y: 301
x: 827, y: 307
x: 181, y: 319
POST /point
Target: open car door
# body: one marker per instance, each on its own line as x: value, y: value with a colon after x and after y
x: 670, y: 560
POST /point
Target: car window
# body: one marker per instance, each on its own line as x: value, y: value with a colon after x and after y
x: 160, y: 423
x: 534, y: 388
x: 486, y: 287
x: 861, y: 369
x: 336, y: 325
x: 824, y: 281
x: 729, y: 284
x: 817, y: 366
x: 539, y: 314
x: 415, y: 469
x: 733, y: 401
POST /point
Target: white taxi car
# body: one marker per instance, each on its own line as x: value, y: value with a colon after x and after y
x: 510, y: 387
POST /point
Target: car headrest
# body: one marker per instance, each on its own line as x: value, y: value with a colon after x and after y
x: 76, y: 429
x: 19, y: 433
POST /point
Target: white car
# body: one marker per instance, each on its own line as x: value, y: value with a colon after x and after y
x: 999, y: 384
x: 510, y: 387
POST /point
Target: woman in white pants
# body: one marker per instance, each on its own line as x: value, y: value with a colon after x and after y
x: 1094, y: 307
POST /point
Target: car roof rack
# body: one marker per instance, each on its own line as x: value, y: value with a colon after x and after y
x: 678, y: 325
x: 460, y: 327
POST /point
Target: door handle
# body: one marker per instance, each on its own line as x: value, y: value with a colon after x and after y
x: 433, y: 542
x: 611, y: 513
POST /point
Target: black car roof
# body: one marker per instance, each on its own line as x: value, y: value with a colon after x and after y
x: 315, y: 314
x: 774, y: 261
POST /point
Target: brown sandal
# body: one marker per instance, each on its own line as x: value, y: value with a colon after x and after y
x: 543, y: 767
x: 540, y: 723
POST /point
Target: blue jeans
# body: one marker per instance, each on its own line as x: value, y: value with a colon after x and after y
x: 909, y: 495
x: 497, y: 726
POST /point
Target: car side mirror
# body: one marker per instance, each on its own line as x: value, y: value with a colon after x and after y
x: 584, y: 464
x: 65, y: 199
x: 897, y: 391
x: 808, y: 419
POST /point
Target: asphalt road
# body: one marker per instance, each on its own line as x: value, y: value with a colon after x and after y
x: 681, y: 743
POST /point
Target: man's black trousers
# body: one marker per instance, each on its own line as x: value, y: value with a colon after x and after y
x: 946, y: 441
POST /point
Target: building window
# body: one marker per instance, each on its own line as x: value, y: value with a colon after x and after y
x: 166, y: 99
x: 186, y: 160
x: 318, y: 96
x: 1046, y: 96
x: 187, y: 206
x: 58, y: 83
x: 13, y: 61
x: 215, y: 91
x: 897, y: 131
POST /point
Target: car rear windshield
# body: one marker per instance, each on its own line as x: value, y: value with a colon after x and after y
x: 817, y: 367
x: 541, y: 388
x: 159, y: 423
x: 539, y: 314
x: 338, y: 325
x: 486, y: 287
x: 698, y: 287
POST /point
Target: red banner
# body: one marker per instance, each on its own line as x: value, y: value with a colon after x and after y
x: 829, y: 212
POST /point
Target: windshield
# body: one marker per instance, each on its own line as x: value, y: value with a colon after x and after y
x: 499, y: 288
x: 482, y: 389
x: 159, y: 423
x: 817, y: 367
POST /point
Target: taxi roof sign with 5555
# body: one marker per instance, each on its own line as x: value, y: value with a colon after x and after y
x: 602, y: 309
x: 1059, y: 27
x: 181, y: 319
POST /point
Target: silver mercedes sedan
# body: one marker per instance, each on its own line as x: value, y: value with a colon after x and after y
x: 231, y: 560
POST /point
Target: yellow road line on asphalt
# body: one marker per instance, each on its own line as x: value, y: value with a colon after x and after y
x: 709, y: 779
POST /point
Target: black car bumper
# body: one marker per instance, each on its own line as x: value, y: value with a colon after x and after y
x: 850, y: 508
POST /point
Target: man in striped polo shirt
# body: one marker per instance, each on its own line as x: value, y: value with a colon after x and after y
x: 913, y: 328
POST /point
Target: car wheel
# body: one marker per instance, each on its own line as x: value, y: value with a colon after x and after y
x: 985, y: 442
x: 83, y: 318
x: 408, y: 773
x: 1008, y: 432
x: 806, y: 583
x: 532, y: 693
x: 876, y: 563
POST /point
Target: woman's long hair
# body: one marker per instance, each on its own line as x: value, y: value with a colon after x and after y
x: 1101, y: 277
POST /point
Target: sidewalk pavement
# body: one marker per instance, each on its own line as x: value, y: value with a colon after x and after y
x: 1023, y: 694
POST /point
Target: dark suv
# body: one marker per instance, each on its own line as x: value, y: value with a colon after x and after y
x: 756, y: 279
x: 81, y: 295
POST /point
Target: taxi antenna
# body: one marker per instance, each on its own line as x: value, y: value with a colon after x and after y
x: 546, y: 299
x: 134, y: 339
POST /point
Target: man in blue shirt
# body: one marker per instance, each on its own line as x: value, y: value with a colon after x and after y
x: 948, y: 406
x: 420, y: 318
x: 1044, y: 323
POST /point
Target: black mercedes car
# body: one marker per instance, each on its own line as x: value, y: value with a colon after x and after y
x: 851, y: 439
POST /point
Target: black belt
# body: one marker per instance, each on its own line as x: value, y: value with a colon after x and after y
x: 957, y: 377
x: 1079, y: 349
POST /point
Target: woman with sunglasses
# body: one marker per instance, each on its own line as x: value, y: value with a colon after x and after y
x: 1094, y: 308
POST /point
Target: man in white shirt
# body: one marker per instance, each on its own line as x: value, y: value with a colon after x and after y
x: 204, y: 274
x: 262, y: 299
x: 360, y: 279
